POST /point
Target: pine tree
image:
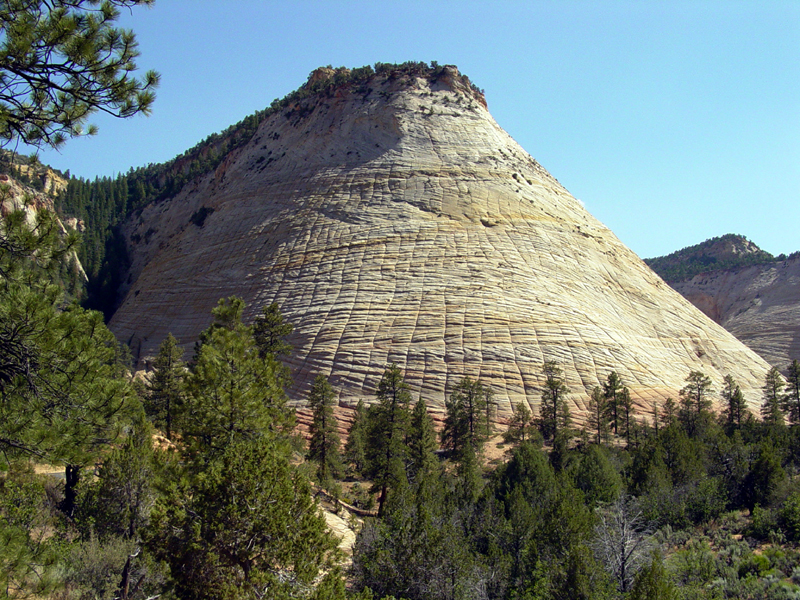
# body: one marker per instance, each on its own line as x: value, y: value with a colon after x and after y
x: 465, y: 421
x: 771, y: 411
x: 164, y: 395
x: 355, y: 448
x: 386, y: 434
x: 421, y: 442
x: 61, y: 63
x: 611, y: 389
x: 522, y: 425
x: 626, y: 408
x: 735, y: 406
x: 271, y: 330
x: 598, y: 415
x: 669, y: 414
x: 555, y: 413
x: 324, y: 444
x: 232, y: 393
x: 65, y: 396
x: 695, y: 399
x: 791, y: 403
x: 248, y: 527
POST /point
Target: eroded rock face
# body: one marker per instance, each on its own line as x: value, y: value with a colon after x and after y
x: 399, y: 223
x: 760, y: 305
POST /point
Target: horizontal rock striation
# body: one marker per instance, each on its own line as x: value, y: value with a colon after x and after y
x: 395, y: 221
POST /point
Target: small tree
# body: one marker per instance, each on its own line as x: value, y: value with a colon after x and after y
x: 771, y: 411
x: 626, y: 408
x: 323, y: 447
x: 386, y: 434
x: 695, y: 399
x: 669, y: 413
x: 355, y: 448
x: 611, y: 389
x: 522, y: 426
x: 164, y: 395
x: 247, y: 528
x: 270, y: 331
x: 465, y: 422
x: 791, y: 403
x: 232, y: 393
x: 598, y: 415
x: 421, y: 442
x: 735, y: 406
x: 555, y: 412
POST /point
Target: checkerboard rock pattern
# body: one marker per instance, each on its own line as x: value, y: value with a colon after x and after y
x: 396, y: 222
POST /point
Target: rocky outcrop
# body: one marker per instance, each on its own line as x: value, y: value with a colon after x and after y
x: 395, y: 221
x: 760, y: 305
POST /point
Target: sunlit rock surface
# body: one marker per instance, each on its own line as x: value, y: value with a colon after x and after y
x: 397, y: 222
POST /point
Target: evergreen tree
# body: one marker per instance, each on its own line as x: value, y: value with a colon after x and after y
x: 598, y: 415
x: 324, y: 444
x: 386, y: 434
x: 421, y: 442
x: 771, y: 411
x: 611, y: 389
x: 792, y: 398
x: 653, y: 582
x: 232, y: 393
x: 271, y: 330
x: 247, y: 527
x: 522, y: 427
x: 669, y: 414
x: 60, y: 63
x: 695, y: 402
x: 465, y: 421
x: 555, y: 414
x: 163, y: 400
x: 355, y: 448
x: 735, y: 406
x: 63, y: 390
x: 626, y: 408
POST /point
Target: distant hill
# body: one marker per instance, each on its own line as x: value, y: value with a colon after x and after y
x: 751, y: 293
x: 730, y: 251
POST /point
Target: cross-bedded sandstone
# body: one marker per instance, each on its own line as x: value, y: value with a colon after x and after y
x: 397, y: 222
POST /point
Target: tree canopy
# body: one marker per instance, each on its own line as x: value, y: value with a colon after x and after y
x: 60, y: 62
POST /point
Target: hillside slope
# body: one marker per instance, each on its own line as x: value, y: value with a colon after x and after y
x: 752, y: 294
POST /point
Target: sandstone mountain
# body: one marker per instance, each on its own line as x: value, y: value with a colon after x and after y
x: 752, y: 294
x: 394, y: 221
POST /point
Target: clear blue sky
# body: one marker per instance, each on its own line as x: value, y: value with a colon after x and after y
x: 672, y: 121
